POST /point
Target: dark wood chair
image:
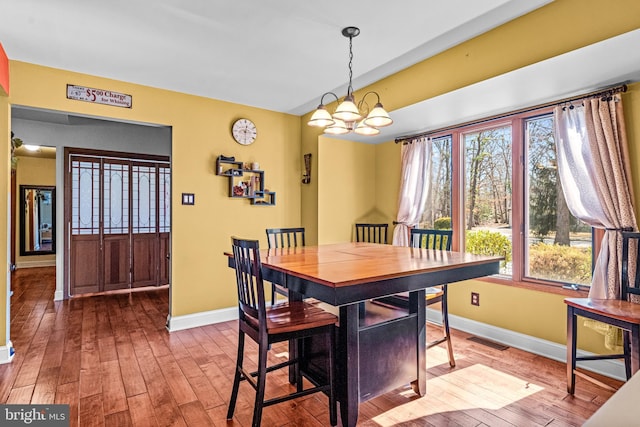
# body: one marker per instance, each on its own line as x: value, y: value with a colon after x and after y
x: 372, y: 233
x: 283, y: 238
x: 293, y: 320
x: 430, y: 239
x: 622, y: 313
x: 441, y: 240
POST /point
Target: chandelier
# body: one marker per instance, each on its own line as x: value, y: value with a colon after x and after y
x: 348, y: 117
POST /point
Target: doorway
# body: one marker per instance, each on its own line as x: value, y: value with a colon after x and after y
x: 117, y: 217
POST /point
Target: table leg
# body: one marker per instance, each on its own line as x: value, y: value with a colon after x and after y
x: 571, y: 350
x: 417, y: 305
x: 348, y: 364
x: 635, y: 349
x: 295, y: 346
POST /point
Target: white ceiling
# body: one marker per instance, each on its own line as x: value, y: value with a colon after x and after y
x: 281, y: 55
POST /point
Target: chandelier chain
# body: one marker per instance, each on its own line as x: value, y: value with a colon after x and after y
x: 350, y: 88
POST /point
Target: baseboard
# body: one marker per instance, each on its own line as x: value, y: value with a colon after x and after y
x: 552, y: 350
x: 58, y: 295
x: 178, y: 323
x: 6, y: 353
x: 33, y: 264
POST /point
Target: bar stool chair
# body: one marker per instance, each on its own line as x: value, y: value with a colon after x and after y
x: 622, y: 313
x: 283, y: 238
x: 293, y: 320
x: 441, y: 240
x: 430, y: 239
x: 371, y: 233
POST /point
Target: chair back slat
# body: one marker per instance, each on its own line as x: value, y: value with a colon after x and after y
x: 371, y: 233
x: 630, y: 260
x: 285, y: 237
x: 431, y: 239
x: 246, y: 255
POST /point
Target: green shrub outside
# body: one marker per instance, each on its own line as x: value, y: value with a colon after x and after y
x: 443, y: 223
x: 562, y: 263
x: 546, y: 261
x: 485, y: 242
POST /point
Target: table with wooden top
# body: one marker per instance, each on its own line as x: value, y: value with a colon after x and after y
x: 376, y: 353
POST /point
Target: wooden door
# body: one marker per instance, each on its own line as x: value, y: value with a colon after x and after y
x: 145, y: 226
x: 116, y: 239
x: 164, y: 222
x: 85, y: 261
x: 119, y: 223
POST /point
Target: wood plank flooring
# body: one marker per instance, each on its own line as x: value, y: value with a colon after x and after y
x: 111, y: 358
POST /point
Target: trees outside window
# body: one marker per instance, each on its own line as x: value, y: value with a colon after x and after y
x: 497, y: 186
x: 557, y: 245
x: 437, y: 212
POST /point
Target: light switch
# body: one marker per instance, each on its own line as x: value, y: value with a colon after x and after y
x: 188, y: 199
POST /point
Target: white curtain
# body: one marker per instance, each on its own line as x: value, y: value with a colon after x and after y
x: 414, y: 187
x: 593, y: 165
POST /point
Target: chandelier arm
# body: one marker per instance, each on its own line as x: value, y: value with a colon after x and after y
x: 373, y: 92
x: 363, y: 107
x: 363, y: 103
x: 328, y: 93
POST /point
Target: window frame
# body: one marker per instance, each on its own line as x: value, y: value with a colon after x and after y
x: 517, y: 121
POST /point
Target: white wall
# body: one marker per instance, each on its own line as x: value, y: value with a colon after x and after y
x: 95, y: 134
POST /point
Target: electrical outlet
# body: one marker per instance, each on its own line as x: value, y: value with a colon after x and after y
x: 475, y: 299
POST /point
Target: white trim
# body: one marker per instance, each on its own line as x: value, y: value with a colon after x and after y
x: 33, y: 264
x: 552, y: 350
x: 6, y: 353
x: 178, y: 323
x: 58, y: 295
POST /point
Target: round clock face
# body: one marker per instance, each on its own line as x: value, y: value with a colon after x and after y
x: 244, y: 131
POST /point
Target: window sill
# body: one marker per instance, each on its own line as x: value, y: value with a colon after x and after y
x: 540, y: 287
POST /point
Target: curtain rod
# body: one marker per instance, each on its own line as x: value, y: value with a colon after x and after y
x: 621, y: 87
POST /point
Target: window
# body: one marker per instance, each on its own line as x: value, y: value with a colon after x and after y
x: 496, y: 185
x: 437, y: 213
x: 487, y: 192
x: 557, y: 245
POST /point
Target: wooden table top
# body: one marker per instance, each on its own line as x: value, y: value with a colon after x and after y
x: 345, y: 264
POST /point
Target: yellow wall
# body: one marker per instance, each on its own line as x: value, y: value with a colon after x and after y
x: 559, y: 27
x: 200, y: 278
x: 32, y: 171
x: 346, y: 180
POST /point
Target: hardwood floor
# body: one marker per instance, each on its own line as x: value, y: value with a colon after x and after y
x: 111, y: 359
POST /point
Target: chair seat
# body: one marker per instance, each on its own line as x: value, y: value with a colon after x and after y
x: 293, y: 316
x: 624, y: 311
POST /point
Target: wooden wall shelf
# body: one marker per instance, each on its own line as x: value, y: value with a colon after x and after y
x: 245, y: 183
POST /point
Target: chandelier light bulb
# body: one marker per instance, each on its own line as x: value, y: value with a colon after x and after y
x: 321, y: 117
x: 338, y: 128
x: 364, y: 129
x: 347, y: 110
x: 378, y: 117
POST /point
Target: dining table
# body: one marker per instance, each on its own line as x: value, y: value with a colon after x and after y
x: 378, y: 351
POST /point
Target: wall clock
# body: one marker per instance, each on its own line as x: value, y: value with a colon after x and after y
x: 244, y: 131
